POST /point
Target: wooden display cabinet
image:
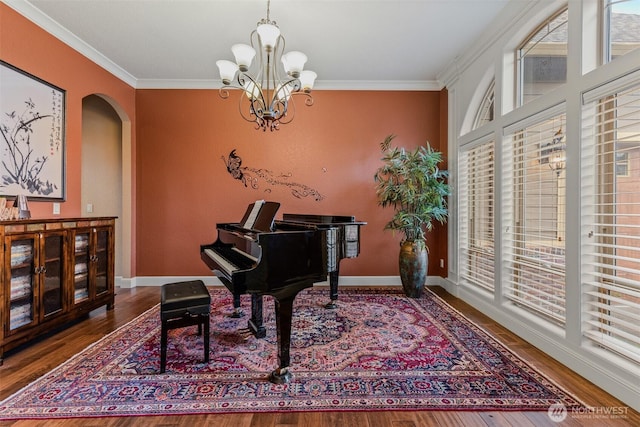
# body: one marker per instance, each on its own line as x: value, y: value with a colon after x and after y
x: 53, y: 271
x: 92, y: 269
x: 35, y: 274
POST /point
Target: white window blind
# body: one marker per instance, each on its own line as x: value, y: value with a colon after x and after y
x: 534, y: 217
x: 611, y: 221
x: 476, y: 201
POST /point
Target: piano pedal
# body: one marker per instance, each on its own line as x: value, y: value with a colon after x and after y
x: 245, y: 333
x: 237, y: 313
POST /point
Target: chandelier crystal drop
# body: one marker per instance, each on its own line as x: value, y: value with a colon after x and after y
x: 275, y: 79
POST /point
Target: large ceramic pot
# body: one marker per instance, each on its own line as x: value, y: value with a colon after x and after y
x: 413, y: 268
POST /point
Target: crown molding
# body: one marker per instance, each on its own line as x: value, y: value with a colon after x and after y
x: 51, y: 26
x: 178, y: 84
x: 509, y: 18
x: 381, y: 85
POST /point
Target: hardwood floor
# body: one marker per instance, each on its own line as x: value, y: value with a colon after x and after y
x: 25, y: 364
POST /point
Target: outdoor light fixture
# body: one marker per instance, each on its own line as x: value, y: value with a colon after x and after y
x: 278, y: 76
x: 558, y: 156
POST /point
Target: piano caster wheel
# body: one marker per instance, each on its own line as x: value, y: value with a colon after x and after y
x: 331, y: 305
x: 280, y: 376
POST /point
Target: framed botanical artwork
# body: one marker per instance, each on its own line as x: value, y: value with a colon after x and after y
x: 32, y: 126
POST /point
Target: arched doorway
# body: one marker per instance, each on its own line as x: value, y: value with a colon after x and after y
x: 106, y: 173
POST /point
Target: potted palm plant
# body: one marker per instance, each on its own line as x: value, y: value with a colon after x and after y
x: 412, y: 183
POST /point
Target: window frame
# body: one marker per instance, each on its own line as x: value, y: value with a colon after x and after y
x: 605, y: 273
x: 519, y: 58
x: 469, y: 253
x: 520, y: 259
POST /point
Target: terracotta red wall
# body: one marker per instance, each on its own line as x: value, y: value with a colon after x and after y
x: 28, y: 47
x: 184, y: 188
x: 181, y: 184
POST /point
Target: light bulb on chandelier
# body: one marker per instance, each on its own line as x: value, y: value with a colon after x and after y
x: 278, y: 77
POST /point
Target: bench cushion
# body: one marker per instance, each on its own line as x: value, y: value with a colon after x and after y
x: 184, y: 298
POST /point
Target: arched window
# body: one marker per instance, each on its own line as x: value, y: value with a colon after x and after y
x: 486, y: 112
x: 542, y: 58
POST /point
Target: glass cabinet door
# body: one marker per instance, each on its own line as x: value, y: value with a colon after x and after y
x: 101, y: 259
x: 22, y: 266
x: 82, y: 258
x: 52, y: 273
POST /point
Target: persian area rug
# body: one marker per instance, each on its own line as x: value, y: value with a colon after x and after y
x: 378, y: 351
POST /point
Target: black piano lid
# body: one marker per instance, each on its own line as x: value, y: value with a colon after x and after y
x: 321, y: 219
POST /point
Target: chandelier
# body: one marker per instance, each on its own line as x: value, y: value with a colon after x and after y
x: 278, y: 76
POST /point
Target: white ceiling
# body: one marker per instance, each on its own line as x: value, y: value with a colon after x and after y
x: 402, y: 44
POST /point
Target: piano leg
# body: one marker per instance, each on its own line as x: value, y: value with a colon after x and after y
x: 333, y: 288
x: 255, y: 323
x: 237, y: 311
x: 284, y: 314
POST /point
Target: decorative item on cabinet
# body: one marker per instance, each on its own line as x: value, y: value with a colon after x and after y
x: 7, y: 212
x: 54, y: 271
x: 23, y: 209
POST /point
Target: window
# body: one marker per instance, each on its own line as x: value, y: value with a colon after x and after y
x: 622, y: 164
x: 548, y: 184
x: 611, y: 219
x: 486, y: 111
x: 534, y: 205
x: 542, y: 59
x: 476, y: 196
x: 621, y: 27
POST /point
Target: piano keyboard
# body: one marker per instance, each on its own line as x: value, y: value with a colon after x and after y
x: 231, y: 259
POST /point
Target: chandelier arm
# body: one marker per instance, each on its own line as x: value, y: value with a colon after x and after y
x: 252, y: 116
x: 309, y: 101
x: 281, y: 92
x: 223, y: 92
x: 294, y: 83
x: 255, y: 43
x: 243, y: 114
x: 256, y: 91
x: 278, y: 51
x: 289, y: 114
x: 273, y: 68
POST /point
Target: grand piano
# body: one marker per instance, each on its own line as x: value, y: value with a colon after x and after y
x: 343, y: 241
x: 257, y: 257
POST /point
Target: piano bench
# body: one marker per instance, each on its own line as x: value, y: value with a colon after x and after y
x: 184, y: 304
